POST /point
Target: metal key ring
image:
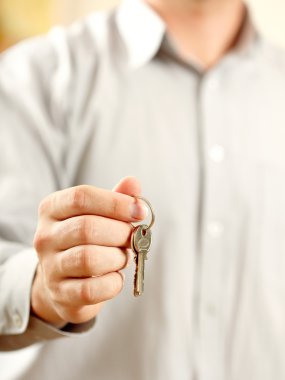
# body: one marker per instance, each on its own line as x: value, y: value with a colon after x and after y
x: 150, y: 207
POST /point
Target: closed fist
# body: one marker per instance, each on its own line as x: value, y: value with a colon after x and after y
x: 82, y: 242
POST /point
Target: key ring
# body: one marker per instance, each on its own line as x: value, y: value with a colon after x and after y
x: 150, y: 207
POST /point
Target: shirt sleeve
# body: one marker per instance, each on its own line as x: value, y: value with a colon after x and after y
x: 33, y: 141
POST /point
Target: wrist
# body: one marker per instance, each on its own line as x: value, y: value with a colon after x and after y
x: 41, y: 305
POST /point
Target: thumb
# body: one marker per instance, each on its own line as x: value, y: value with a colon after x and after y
x: 131, y: 186
x: 128, y: 186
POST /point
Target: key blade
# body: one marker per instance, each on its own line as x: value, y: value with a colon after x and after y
x: 139, y: 275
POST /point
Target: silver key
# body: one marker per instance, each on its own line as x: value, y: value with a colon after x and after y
x: 141, y: 242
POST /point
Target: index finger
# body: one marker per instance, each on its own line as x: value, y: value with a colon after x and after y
x: 91, y: 200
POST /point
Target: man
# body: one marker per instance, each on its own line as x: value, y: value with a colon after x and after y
x: 185, y: 96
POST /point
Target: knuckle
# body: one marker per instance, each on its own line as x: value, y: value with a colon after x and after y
x: 86, y: 293
x: 44, y: 206
x: 41, y: 240
x: 82, y: 229
x: 55, y: 292
x: 115, y: 205
x: 64, y: 263
x: 76, y: 259
x: 47, y: 270
x: 82, y: 259
x: 77, y: 198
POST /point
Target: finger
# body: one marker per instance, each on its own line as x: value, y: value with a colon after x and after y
x: 90, y: 200
x: 129, y: 186
x: 90, y: 260
x: 78, y: 315
x: 89, y: 291
x: 91, y: 230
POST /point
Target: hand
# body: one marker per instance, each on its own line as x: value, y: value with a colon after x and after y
x: 82, y: 241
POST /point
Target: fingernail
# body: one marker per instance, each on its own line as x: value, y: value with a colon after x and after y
x: 138, y: 210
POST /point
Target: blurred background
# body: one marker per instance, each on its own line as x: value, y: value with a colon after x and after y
x: 24, y: 18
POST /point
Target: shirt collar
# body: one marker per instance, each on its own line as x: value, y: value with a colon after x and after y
x: 247, y: 36
x: 141, y: 29
x: 143, y: 32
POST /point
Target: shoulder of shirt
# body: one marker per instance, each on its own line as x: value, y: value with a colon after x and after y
x: 61, y: 42
x: 272, y: 55
x: 88, y: 33
x: 55, y: 64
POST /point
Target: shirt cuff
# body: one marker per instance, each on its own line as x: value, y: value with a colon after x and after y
x: 16, y: 278
x: 39, y: 331
x: 19, y: 329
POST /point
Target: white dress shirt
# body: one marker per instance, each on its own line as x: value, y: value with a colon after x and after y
x: 109, y: 97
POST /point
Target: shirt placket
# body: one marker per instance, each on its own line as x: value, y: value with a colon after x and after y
x: 214, y: 225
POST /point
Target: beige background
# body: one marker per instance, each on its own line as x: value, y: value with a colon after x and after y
x: 269, y: 14
x: 270, y: 18
x: 23, y: 18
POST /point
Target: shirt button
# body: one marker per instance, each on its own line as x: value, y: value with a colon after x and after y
x: 217, y: 153
x: 215, y: 229
x: 17, y: 319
